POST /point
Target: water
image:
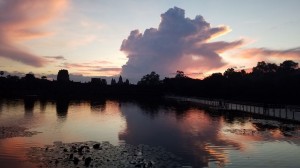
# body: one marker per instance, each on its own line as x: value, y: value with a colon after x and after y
x: 200, y: 137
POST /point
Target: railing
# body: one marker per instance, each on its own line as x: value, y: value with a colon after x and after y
x: 272, y: 110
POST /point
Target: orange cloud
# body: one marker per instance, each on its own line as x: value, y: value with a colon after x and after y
x: 21, y: 20
x: 293, y: 54
x: 221, y: 30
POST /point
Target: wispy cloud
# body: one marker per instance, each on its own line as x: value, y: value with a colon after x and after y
x: 103, y: 68
x: 118, y: 70
x: 56, y: 57
x: 264, y: 53
x: 80, y: 65
x: 104, y: 62
x: 20, y: 20
x: 105, y: 71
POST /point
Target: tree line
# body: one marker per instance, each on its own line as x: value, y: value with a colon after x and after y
x: 266, y: 82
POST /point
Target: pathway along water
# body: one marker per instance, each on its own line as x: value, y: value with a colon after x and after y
x: 284, y: 112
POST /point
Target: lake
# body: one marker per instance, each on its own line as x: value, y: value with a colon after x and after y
x: 202, y: 138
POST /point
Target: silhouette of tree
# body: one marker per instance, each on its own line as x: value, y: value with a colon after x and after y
x: 268, y: 82
x: 288, y: 66
x: 243, y: 72
x: 44, y: 77
x: 215, y: 77
x: 214, y: 84
x: 180, y: 74
x: 263, y: 67
x: 29, y: 77
x: 229, y: 73
x: 150, y: 79
x: 1, y: 73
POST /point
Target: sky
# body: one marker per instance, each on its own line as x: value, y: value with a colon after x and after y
x: 132, y: 38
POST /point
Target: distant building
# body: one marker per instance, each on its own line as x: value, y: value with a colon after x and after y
x: 113, y: 81
x: 63, y: 76
x: 96, y: 81
x: 120, y: 81
x: 127, y: 82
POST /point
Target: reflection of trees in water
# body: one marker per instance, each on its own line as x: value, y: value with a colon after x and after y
x: 150, y: 106
x: 191, y: 130
x: 153, y: 106
x: 62, y: 106
x: 98, y: 105
x: 43, y: 105
x: 180, y: 108
x: 29, y: 105
x: 1, y: 105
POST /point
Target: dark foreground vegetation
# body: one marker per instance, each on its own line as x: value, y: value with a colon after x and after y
x: 267, y: 82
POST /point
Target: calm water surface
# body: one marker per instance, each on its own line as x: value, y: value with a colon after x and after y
x: 196, y: 135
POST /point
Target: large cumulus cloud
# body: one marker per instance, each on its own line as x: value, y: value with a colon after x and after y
x: 179, y: 43
x: 20, y: 20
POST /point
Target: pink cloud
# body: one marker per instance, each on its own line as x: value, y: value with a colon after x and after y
x: 93, y: 68
x: 264, y: 53
x: 79, y: 66
x: 109, y: 69
x: 223, y: 46
x: 21, y: 20
x: 179, y: 43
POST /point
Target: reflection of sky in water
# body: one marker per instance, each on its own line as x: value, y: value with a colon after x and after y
x: 186, y: 133
x: 192, y: 133
x: 66, y: 121
x: 199, y: 137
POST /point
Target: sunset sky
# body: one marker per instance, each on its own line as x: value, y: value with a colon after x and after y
x: 133, y: 38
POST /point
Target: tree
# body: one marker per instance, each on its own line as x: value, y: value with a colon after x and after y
x: 150, y: 79
x: 12, y: 78
x: 44, y: 77
x: 288, y: 66
x: 215, y: 77
x: 229, y: 73
x: 1, y: 73
x: 263, y: 68
x: 29, y: 76
x: 180, y: 74
x: 243, y: 72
